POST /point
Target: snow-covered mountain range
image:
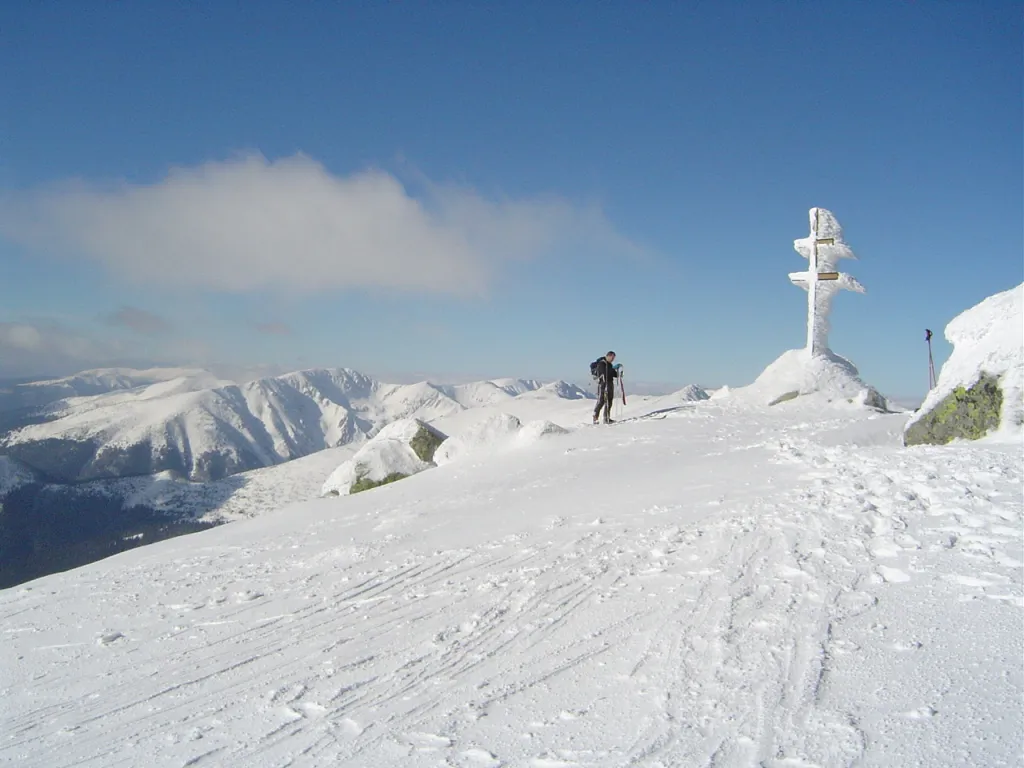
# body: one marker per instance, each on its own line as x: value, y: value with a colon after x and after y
x: 120, y: 423
x: 99, y: 381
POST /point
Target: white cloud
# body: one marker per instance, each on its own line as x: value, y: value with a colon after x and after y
x: 33, y: 349
x: 291, y: 226
x: 20, y: 337
x: 138, y: 320
x: 49, y: 347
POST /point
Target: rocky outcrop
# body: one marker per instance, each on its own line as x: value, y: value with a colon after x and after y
x: 979, y: 391
x: 402, y: 448
x: 964, y: 413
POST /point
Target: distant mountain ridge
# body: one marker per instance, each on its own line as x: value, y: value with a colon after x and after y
x: 154, y: 421
x: 99, y: 381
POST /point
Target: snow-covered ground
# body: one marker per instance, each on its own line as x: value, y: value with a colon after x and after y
x: 247, y: 494
x: 718, y: 585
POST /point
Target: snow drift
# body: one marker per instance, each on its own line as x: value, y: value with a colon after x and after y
x: 988, y: 346
x: 827, y: 377
x: 494, y: 433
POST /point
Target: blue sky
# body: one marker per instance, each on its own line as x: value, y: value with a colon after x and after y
x: 500, y: 189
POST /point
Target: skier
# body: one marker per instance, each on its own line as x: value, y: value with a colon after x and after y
x: 606, y: 370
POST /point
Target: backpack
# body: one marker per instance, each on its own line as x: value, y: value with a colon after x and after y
x: 593, y: 368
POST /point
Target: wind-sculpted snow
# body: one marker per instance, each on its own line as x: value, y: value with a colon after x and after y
x: 719, y: 586
x: 212, y: 433
x: 494, y: 434
x: 827, y: 377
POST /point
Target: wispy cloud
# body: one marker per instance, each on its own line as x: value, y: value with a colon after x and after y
x: 249, y: 224
x: 48, y: 346
x: 273, y: 328
x: 31, y: 349
x: 138, y: 320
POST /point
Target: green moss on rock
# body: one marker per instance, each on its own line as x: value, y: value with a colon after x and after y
x: 425, y: 442
x: 364, y: 483
x: 964, y: 413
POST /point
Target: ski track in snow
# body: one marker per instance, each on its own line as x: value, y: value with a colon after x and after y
x: 737, y: 595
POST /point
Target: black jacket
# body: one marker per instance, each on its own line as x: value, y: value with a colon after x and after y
x: 605, y: 372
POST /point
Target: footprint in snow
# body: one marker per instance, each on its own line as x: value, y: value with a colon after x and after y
x: 893, y: 575
x: 109, y: 638
x: 427, y: 742
x: 552, y: 762
x: 349, y: 727
x: 921, y: 713
x: 310, y: 710
x: 883, y: 549
x: 479, y: 756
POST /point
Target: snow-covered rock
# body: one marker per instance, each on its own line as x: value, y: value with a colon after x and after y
x: 980, y: 386
x: 402, y: 448
x: 828, y: 377
x: 494, y: 433
x: 537, y: 429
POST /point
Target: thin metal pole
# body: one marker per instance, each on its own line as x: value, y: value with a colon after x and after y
x: 931, y: 361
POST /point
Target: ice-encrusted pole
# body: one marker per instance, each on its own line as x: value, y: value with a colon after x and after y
x: 823, y: 248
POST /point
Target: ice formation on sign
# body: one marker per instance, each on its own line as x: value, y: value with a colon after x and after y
x: 815, y: 369
x: 822, y: 248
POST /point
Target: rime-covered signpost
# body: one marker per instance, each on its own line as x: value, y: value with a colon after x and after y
x: 822, y: 249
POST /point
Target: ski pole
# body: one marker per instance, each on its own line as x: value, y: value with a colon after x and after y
x: 931, y: 362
